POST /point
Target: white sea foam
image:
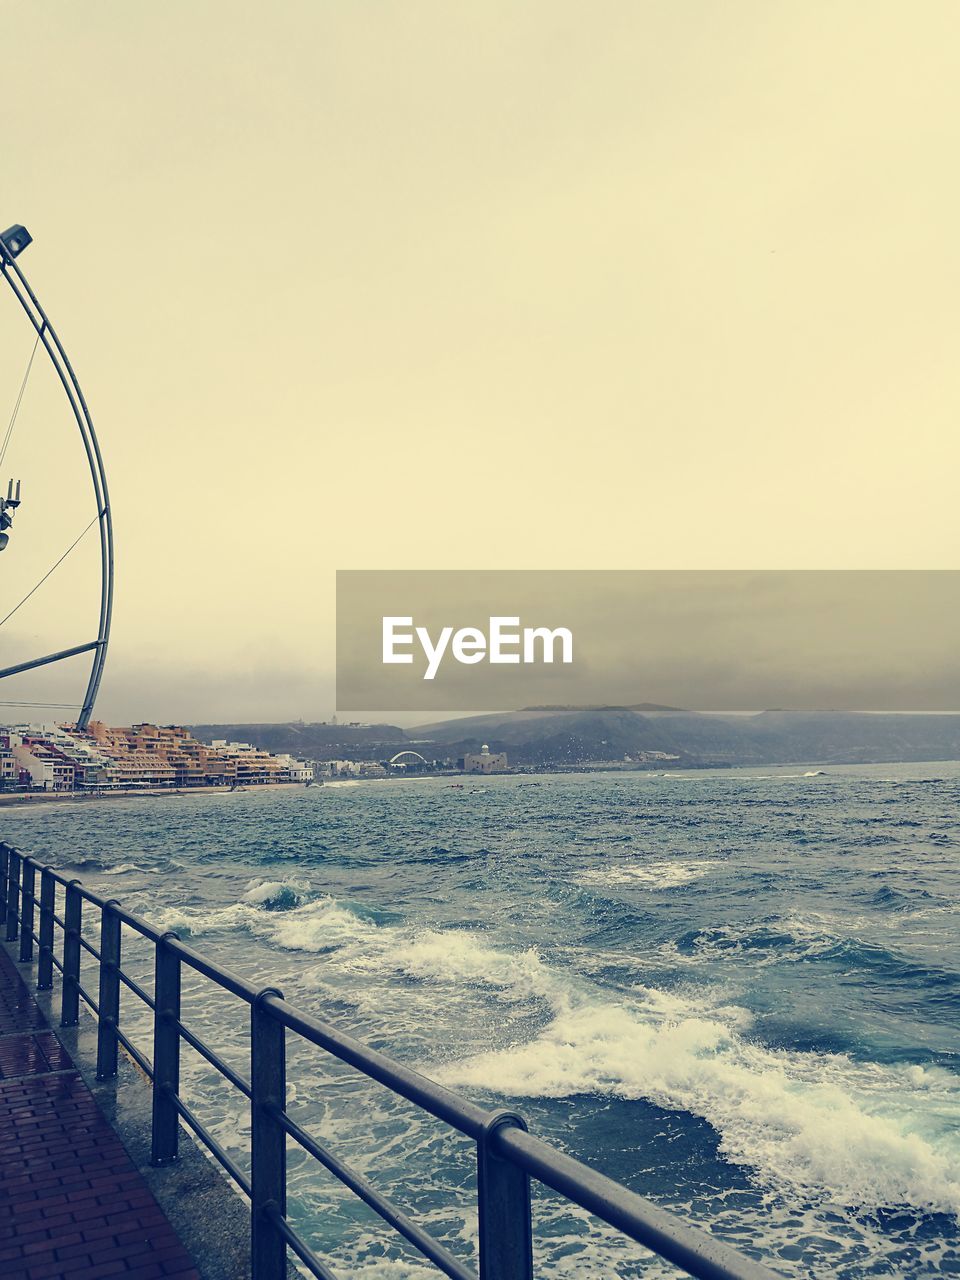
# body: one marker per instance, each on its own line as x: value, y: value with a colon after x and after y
x: 313, y: 926
x: 654, y: 875
x: 461, y: 958
x: 276, y: 893
x: 789, y: 939
x: 861, y: 1134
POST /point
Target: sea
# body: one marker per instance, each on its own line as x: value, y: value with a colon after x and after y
x: 737, y: 992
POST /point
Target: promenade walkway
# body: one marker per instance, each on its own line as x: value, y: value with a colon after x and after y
x: 72, y: 1204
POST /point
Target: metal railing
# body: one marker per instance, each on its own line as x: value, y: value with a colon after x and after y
x: 508, y: 1156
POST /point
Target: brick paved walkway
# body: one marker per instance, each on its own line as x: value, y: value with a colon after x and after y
x: 72, y: 1205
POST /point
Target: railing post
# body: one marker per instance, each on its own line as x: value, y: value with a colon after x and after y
x: 27, y: 892
x: 165, y: 1133
x: 48, y: 897
x: 503, y: 1191
x: 13, y: 894
x: 4, y: 872
x: 70, y: 988
x: 108, y: 997
x: 268, y: 1143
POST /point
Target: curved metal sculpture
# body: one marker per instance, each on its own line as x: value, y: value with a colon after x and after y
x: 414, y: 755
x: 12, y: 243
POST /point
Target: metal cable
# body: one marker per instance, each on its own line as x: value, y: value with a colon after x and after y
x: 40, y: 704
x: 51, y: 569
x: 16, y: 407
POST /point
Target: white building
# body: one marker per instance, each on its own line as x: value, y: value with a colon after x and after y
x: 486, y: 762
x: 47, y: 770
x: 297, y: 770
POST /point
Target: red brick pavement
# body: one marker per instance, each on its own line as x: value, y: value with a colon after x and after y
x: 72, y: 1205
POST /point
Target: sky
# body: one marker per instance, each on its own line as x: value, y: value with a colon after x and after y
x: 369, y: 286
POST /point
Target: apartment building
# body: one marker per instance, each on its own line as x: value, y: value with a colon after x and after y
x: 139, y: 756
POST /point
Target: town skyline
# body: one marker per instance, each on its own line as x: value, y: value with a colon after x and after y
x: 467, y: 312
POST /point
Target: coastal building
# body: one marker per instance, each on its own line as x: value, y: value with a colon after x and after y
x: 9, y: 769
x: 296, y: 770
x: 141, y: 756
x: 352, y: 769
x: 486, y: 761
x: 47, y: 770
x: 252, y: 765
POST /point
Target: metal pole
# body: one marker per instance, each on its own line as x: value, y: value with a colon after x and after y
x: 47, y: 659
x: 61, y: 363
x: 503, y: 1192
x: 27, y: 891
x: 48, y: 897
x: 108, y: 997
x: 268, y: 1088
x: 4, y: 872
x: 73, y: 923
x: 13, y: 893
x: 166, y: 1054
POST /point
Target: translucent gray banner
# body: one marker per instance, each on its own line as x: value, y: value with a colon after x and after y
x: 424, y: 640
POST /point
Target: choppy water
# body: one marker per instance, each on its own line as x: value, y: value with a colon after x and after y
x: 739, y: 993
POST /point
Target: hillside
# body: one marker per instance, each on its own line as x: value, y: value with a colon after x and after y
x: 309, y: 741
x: 609, y: 733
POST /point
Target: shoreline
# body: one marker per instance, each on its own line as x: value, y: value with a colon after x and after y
x: 25, y: 798
x: 85, y: 797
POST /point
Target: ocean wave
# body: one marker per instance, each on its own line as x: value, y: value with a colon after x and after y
x: 90, y: 864
x: 800, y: 940
x: 276, y: 895
x: 655, y: 875
x: 861, y: 1134
x: 897, y: 899
x: 268, y: 910
x: 458, y: 957
x: 864, y: 1135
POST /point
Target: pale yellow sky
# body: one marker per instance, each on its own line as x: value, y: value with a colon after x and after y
x: 615, y: 285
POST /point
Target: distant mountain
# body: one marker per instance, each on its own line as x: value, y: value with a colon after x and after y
x: 574, y: 735
x: 309, y: 741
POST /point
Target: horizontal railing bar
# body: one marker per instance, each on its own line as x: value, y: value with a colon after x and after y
x: 432, y: 1097
x: 87, y: 894
x: 214, y: 1059
x: 85, y: 995
x: 305, y: 1254
x: 137, y: 990
x: 212, y: 1145
x: 88, y: 946
x: 689, y: 1248
x: 141, y: 926
x: 359, y: 1185
x: 127, y: 917
x: 233, y: 982
x: 144, y: 1063
x: 696, y: 1252
x: 30, y: 861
